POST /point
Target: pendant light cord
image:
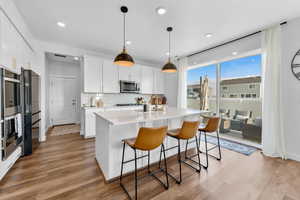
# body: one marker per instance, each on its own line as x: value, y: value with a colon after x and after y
x: 124, y: 31
x: 169, y: 46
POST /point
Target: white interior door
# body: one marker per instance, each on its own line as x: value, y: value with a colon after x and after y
x: 63, y: 101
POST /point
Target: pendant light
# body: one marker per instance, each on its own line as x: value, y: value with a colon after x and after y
x: 169, y: 66
x: 124, y: 59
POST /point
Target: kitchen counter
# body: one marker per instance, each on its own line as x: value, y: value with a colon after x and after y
x: 137, y: 116
x: 114, y: 126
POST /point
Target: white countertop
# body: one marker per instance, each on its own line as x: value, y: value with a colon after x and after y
x: 111, y: 107
x: 135, y: 116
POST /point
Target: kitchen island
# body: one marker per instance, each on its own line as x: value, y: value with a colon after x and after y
x: 114, y: 126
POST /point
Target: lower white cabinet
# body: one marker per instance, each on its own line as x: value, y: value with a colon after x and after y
x: 88, y: 123
x: 88, y: 119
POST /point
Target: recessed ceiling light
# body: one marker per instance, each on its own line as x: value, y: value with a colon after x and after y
x: 161, y: 10
x: 168, y: 53
x: 208, y: 35
x: 76, y: 58
x: 61, y: 24
x: 128, y: 42
x: 234, y: 53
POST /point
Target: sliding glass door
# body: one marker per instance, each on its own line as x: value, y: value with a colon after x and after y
x: 233, y: 87
x: 240, y: 98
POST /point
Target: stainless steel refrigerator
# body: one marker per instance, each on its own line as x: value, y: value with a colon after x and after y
x: 30, y: 96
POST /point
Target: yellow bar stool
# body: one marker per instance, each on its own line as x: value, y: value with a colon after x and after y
x: 148, y: 139
x: 212, y: 126
x: 188, y: 131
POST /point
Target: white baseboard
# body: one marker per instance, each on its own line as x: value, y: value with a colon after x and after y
x: 293, y: 157
x: 91, y: 136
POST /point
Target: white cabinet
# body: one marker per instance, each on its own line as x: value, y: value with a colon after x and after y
x: 135, y: 74
x: 92, y: 74
x: 147, y: 80
x: 130, y: 73
x: 88, y: 118
x: 110, y: 77
x: 124, y: 73
x: 158, y: 82
x: 89, y: 125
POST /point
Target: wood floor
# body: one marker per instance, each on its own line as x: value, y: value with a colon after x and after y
x: 64, y: 168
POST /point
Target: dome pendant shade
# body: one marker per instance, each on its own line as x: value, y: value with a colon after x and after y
x: 169, y: 67
x: 124, y: 59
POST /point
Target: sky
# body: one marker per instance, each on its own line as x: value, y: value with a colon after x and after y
x: 247, y: 66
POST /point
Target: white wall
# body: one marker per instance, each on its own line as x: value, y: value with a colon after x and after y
x: 291, y: 89
x: 59, y: 68
x: 242, y: 47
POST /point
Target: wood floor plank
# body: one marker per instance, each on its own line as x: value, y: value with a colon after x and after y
x: 65, y: 168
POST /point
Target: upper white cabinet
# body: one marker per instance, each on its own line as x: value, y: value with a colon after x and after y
x: 124, y: 73
x: 147, y: 80
x: 110, y: 77
x: 135, y: 74
x: 130, y: 73
x: 158, y: 82
x: 92, y: 74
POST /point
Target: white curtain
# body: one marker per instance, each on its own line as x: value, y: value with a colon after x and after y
x: 273, y: 140
x: 182, y: 83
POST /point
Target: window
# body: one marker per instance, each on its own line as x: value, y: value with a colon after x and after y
x: 202, y: 77
x: 239, y: 82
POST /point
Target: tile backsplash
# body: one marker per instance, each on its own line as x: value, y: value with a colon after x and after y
x: 112, y: 99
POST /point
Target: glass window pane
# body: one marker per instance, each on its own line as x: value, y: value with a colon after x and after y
x: 240, y: 98
x: 201, y: 88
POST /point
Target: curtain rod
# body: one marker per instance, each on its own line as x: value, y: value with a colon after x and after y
x: 231, y: 41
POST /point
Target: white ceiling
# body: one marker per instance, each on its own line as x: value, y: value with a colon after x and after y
x: 97, y: 24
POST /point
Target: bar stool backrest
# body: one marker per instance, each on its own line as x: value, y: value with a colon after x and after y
x: 212, y: 124
x: 188, y: 129
x: 150, y: 138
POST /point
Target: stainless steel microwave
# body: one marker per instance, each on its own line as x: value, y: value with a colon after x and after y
x: 129, y: 87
